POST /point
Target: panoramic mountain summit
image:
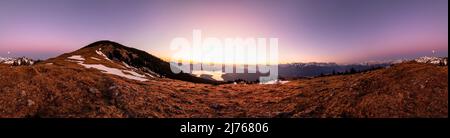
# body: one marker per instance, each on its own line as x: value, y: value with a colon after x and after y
x: 240, y: 63
x: 107, y: 79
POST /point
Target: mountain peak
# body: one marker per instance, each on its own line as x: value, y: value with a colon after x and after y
x: 114, y: 55
x: 104, y: 43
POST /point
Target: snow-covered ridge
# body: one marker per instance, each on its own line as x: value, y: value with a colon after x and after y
x: 129, y: 74
x: 17, y: 61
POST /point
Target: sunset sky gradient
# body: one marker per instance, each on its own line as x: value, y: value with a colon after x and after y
x: 342, y: 31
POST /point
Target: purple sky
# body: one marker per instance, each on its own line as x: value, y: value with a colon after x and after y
x: 343, y: 31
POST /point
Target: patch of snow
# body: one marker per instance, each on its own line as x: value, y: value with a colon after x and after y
x: 275, y: 82
x: 9, y: 62
x: 149, y: 75
x: 76, y: 57
x: 118, y: 72
x: 114, y: 71
x: 134, y: 73
x: 94, y: 58
x: 99, y: 52
x: 126, y: 65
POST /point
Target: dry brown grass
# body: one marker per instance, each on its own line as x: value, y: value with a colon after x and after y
x: 65, y: 89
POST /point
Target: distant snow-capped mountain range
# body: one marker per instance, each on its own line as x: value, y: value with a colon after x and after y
x: 424, y: 59
x: 433, y: 60
x: 17, y: 61
x: 315, y: 69
x: 312, y: 69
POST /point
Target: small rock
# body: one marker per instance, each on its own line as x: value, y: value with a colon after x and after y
x: 422, y: 86
x: 93, y: 90
x: 30, y: 102
x: 112, y: 87
x: 23, y: 93
x: 115, y: 93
